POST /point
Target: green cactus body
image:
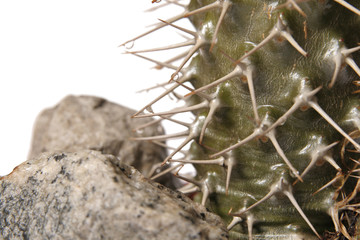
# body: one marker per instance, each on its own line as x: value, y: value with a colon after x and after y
x: 277, y: 114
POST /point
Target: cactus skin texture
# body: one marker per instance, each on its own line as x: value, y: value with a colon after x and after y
x: 275, y: 95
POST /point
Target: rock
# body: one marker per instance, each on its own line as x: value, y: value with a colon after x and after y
x: 86, y: 122
x: 89, y: 195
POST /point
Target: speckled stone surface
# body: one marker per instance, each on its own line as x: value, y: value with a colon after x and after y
x: 89, y: 195
x: 88, y: 122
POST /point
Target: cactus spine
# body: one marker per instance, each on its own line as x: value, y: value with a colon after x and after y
x: 275, y: 140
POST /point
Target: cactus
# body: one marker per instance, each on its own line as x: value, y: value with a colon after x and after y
x: 275, y: 93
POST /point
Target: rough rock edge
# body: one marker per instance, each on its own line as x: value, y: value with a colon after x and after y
x: 31, y: 208
x: 93, y: 123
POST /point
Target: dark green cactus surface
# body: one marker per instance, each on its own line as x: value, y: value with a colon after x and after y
x: 275, y: 95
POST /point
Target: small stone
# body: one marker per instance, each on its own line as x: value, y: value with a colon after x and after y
x: 89, y: 195
x: 87, y: 122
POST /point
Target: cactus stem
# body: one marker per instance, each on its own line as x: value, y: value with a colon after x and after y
x: 348, y: 6
x: 280, y: 30
x: 262, y: 130
x: 230, y: 140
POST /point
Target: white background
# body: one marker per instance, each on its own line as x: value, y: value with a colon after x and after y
x: 52, y: 48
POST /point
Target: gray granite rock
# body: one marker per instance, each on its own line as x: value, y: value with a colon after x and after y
x: 87, y: 122
x: 89, y: 195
